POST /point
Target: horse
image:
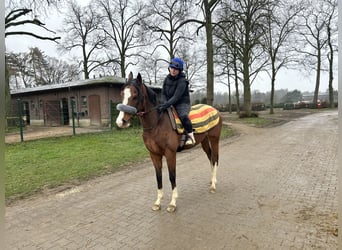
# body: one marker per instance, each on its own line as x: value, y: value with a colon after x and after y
x: 160, y: 138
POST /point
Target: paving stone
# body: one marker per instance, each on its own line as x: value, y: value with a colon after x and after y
x: 277, y: 189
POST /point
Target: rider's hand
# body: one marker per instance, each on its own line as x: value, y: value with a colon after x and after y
x: 162, y: 107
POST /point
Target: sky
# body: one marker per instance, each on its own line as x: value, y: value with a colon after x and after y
x: 286, y: 79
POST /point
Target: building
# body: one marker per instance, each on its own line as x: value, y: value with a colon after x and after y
x: 52, y: 105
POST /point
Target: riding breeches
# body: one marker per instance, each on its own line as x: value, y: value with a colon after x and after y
x: 183, y: 114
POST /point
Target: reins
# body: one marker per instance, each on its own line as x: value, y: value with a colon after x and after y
x: 142, y: 113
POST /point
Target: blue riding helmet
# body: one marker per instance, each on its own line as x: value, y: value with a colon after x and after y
x: 176, y: 63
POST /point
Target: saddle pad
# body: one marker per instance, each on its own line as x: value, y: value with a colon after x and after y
x: 203, y: 117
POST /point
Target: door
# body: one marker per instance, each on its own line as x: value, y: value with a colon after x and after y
x: 95, y: 110
x: 52, y: 113
x: 65, y: 111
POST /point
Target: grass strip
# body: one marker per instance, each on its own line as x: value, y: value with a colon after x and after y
x: 33, y: 166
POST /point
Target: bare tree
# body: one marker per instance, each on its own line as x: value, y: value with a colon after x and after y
x: 331, y: 25
x: 280, y: 25
x: 314, y: 38
x: 226, y: 51
x: 35, y: 69
x: 208, y: 7
x: 82, y: 29
x: 246, y: 23
x: 21, y: 14
x: 165, y: 18
x: 194, y: 62
x: 151, y: 67
x: 122, y: 22
x: 19, y: 74
x: 16, y: 17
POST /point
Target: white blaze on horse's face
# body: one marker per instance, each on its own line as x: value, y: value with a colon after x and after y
x: 120, y: 120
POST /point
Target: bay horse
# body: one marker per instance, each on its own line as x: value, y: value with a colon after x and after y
x: 160, y: 138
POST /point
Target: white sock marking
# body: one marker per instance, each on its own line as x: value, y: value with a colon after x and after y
x: 174, y: 197
x: 213, y: 176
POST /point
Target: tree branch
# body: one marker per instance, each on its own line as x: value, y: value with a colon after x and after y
x: 11, y: 33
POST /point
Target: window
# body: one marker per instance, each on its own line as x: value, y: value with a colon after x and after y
x: 84, y: 101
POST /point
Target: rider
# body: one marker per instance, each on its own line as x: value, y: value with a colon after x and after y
x: 175, y: 92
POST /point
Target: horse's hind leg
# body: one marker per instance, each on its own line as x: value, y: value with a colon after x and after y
x: 212, y: 153
x: 157, y: 162
x: 214, y: 143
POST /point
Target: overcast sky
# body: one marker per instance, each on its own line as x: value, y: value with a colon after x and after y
x: 286, y: 79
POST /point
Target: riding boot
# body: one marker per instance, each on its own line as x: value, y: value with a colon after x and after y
x: 191, y: 139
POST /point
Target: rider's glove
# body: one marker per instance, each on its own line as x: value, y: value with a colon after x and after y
x: 162, y: 107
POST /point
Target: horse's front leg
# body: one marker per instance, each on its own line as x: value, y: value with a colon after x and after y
x: 157, y: 162
x: 171, y: 164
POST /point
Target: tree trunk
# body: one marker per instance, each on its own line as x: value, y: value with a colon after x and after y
x: 85, y: 63
x: 122, y: 66
x: 210, y: 54
x: 237, y: 95
x: 331, y: 73
x: 229, y: 95
x: 7, y: 96
x: 272, y: 88
x: 246, y: 85
x: 318, y: 77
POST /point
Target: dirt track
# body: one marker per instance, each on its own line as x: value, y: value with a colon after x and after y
x: 277, y: 189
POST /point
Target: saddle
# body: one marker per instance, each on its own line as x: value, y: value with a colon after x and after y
x: 203, y: 117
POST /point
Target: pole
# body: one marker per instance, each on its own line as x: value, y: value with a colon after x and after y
x: 20, y: 110
x: 73, y: 116
x: 111, y: 114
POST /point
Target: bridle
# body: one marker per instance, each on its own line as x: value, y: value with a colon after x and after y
x: 141, y: 99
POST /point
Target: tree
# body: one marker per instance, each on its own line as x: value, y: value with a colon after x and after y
x: 16, y: 13
x: 194, y: 62
x: 19, y: 75
x: 166, y: 19
x: 82, y: 29
x: 280, y: 25
x: 208, y: 7
x: 35, y: 69
x: 247, y: 21
x: 314, y: 38
x: 122, y: 21
x: 20, y: 14
x: 331, y: 26
x: 150, y: 66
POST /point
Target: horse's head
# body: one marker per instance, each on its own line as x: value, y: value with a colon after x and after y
x: 132, y: 100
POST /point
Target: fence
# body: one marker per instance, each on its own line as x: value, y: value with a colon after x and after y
x: 18, y: 121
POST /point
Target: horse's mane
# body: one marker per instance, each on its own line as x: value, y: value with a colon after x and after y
x: 152, y: 96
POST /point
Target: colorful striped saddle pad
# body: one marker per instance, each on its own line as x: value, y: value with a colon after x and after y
x: 203, y: 117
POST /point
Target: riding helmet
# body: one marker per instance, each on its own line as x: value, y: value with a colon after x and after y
x: 176, y: 63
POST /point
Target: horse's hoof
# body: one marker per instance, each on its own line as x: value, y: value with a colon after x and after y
x: 171, y: 208
x: 212, y: 190
x: 156, y: 207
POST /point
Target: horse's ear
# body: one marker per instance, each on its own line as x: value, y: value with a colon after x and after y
x: 139, y: 78
x: 130, y: 76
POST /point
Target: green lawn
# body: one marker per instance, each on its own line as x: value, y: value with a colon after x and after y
x: 34, y: 165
